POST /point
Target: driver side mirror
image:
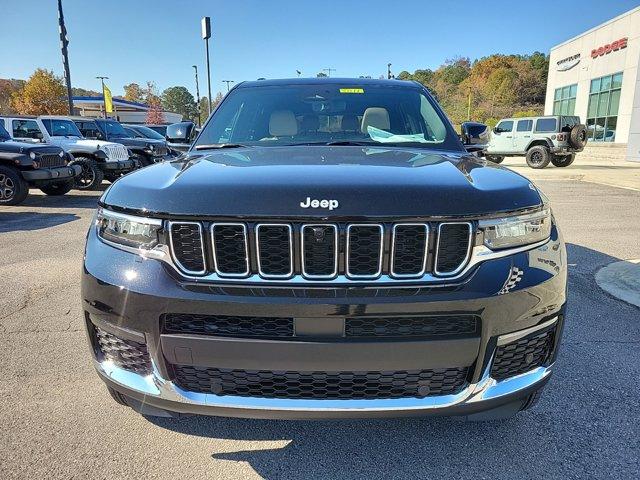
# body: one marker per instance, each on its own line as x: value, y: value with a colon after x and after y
x: 474, y: 133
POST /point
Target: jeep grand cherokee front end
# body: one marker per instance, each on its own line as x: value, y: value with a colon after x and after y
x: 326, y: 249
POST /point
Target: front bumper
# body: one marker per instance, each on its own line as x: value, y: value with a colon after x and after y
x: 126, y: 295
x: 49, y: 175
x: 119, y: 166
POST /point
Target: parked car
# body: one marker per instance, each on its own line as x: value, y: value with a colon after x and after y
x: 96, y: 159
x: 144, y: 151
x: 141, y: 131
x: 181, y: 135
x: 24, y: 165
x: 161, y: 129
x: 326, y: 248
x: 554, y: 139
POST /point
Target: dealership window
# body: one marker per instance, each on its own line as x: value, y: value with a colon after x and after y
x: 564, y: 100
x: 602, y: 114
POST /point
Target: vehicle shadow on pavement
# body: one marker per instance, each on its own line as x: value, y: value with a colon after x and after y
x: 573, y: 431
x: 70, y: 200
x: 29, y: 221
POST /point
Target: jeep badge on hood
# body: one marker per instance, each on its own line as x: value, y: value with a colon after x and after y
x: 330, y: 204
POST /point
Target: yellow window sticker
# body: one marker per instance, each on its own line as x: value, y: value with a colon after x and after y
x: 352, y: 90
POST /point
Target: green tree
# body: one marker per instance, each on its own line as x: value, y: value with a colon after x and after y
x: 43, y: 94
x: 7, y: 88
x: 179, y: 100
x: 134, y: 93
x: 321, y: 75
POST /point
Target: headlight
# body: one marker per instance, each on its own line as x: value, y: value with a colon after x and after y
x: 127, y: 230
x: 517, y: 230
x: 32, y: 156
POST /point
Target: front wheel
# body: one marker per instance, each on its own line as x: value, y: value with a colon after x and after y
x: 90, y: 177
x: 13, y: 188
x: 563, y: 161
x: 538, y: 156
x: 494, y: 158
x: 59, y: 188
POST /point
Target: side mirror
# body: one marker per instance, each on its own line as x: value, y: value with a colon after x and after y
x: 182, y: 133
x: 39, y: 136
x: 474, y: 134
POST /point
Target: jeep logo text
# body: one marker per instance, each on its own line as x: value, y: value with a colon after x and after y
x: 330, y: 204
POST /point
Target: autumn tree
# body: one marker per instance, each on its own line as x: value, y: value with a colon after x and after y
x: 7, y: 88
x: 155, y: 116
x: 179, y: 100
x: 43, y: 94
x: 133, y: 93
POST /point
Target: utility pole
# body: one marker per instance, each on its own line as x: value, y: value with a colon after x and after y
x: 64, y: 43
x: 328, y: 70
x: 195, y: 67
x: 227, y: 82
x: 104, y: 100
x: 206, y: 35
x: 389, y: 71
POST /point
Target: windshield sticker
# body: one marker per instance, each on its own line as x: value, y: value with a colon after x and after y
x: 352, y: 90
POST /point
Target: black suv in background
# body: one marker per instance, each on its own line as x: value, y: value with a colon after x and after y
x: 145, y: 151
x: 24, y: 165
x: 326, y: 248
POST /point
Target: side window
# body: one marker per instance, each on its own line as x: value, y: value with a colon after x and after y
x: 504, y: 126
x: 524, y: 125
x: 546, y: 125
x: 26, y: 129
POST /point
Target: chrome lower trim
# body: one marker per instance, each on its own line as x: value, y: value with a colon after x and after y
x: 154, y: 386
x: 514, y: 336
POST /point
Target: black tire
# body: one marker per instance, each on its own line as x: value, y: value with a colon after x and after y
x: 59, y: 188
x: 13, y: 188
x: 564, y: 161
x: 578, y: 136
x: 90, y: 177
x: 495, y: 158
x: 538, y: 156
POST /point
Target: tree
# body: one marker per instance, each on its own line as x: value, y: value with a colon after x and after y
x: 43, y: 94
x: 133, y: 93
x: 321, y: 75
x: 7, y: 88
x: 179, y: 100
x: 204, y: 110
x: 155, y: 115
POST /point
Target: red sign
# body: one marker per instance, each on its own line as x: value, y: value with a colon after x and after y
x: 609, y: 47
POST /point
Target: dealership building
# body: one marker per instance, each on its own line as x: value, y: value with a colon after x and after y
x: 595, y: 76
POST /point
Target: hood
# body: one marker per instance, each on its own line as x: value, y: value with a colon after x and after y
x: 139, y: 143
x: 13, y: 146
x: 89, y: 144
x: 273, y: 181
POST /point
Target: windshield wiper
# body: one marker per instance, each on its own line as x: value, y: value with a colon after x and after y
x: 339, y: 143
x: 212, y: 146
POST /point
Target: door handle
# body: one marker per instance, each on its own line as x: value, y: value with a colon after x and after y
x: 509, y: 136
x: 527, y: 136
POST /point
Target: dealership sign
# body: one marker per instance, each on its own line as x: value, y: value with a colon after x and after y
x: 609, y: 47
x: 568, y: 63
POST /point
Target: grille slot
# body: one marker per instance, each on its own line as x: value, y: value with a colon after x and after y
x: 409, y: 250
x: 364, y: 250
x: 187, y: 246
x: 50, y: 161
x: 274, y: 250
x: 523, y: 355
x: 429, y: 326
x: 454, y: 246
x: 123, y: 353
x: 319, y: 251
x: 321, y: 385
x: 230, y: 253
x: 228, y: 325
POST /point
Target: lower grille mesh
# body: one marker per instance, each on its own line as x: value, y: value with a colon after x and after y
x: 431, y: 326
x: 321, y: 385
x: 123, y: 353
x: 523, y: 355
x: 227, y: 325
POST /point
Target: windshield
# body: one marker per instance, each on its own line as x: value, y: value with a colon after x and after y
x: 4, y: 135
x: 113, y: 129
x: 61, y: 128
x: 148, y: 133
x: 328, y: 114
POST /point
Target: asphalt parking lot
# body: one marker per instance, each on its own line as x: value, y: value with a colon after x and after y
x: 57, y: 420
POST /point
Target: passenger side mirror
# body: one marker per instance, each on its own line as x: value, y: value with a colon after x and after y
x: 474, y: 133
x: 182, y: 133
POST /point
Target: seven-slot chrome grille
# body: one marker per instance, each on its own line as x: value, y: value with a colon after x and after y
x: 320, y: 251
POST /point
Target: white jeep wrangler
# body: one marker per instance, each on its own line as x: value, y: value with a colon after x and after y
x: 94, y: 157
x: 554, y: 139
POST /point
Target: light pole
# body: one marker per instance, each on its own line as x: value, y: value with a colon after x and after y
x: 195, y: 67
x: 227, y: 82
x: 206, y: 35
x: 64, y: 43
x: 328, y: 70
x: 104, y: 100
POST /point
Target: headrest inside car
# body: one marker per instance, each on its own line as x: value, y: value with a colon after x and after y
x: 377, y: 117
x: 282, y: 123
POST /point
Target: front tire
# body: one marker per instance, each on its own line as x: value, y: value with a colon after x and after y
x: 59, y: 188
x: 13, y: 188
x: 563, y: 161
x: 90, y: 177
x: 538, y: 157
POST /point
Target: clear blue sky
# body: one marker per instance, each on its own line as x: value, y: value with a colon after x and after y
x: 159, y: 40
